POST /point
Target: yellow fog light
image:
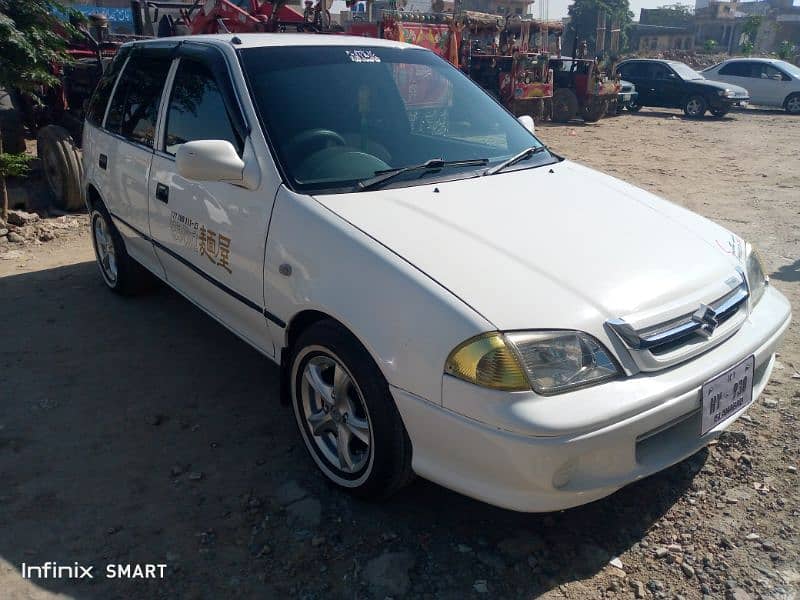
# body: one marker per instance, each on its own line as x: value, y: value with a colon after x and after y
x: 486, y: 360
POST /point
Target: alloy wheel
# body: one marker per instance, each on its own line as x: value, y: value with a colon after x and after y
x: 793, y: 104
x: 335, y: 414
x: 104, y: 247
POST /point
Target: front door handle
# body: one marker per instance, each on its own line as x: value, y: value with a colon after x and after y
x: 162, y: 193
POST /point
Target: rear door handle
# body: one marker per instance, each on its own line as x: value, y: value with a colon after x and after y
x: 162, y: 193
x: 103, y: 161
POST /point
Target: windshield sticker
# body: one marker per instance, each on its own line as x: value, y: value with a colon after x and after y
x: 363, y: 56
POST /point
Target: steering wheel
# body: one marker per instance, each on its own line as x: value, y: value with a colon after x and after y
x: 314, y: 139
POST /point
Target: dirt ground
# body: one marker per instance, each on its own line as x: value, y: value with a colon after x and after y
x: 140, y: 431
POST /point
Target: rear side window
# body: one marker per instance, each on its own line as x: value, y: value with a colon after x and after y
x: 636, y: 70
x: 736, y: 69
x: 196, y: 109
x: 97, y: 105
x: 134, y: 108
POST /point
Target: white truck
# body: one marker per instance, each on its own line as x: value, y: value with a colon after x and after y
x: 444, y: 295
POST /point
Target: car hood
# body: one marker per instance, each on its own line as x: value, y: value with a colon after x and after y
x: 720, y: 85
x: 558, y: 246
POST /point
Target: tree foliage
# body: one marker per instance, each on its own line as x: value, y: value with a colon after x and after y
x: 14, y: 165
x: 32, y: 42
x: 583, y: 21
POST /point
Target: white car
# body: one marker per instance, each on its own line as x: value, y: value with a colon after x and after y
x: 771, y: 82
x: 444, y: 295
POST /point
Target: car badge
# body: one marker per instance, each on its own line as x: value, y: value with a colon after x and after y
x: 707, y: 318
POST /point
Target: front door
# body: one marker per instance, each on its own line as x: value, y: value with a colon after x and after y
x: 667, y: 86
x: 210, y: 236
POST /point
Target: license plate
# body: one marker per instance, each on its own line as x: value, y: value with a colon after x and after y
x: 743, y: 104
x: 727, y: 394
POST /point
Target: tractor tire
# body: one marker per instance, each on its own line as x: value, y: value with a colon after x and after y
x: 593, y: 111
x: 12, y: 132
x: 565, y: 105
x: 62, y: 165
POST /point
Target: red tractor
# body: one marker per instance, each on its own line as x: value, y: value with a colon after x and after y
x: 57, y: 120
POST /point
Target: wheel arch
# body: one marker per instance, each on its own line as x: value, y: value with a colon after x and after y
x: 92, y: 197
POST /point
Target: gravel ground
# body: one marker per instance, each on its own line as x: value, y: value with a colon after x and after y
x: 140, y: 431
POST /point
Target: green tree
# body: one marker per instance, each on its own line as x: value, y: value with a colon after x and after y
x: 710, y: 46
x: 32, y: 44
x: 583, y: 21
x: 785, y: 50
x: 750, y: 30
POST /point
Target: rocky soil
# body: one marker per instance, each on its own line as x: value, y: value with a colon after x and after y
x: 138, y: 430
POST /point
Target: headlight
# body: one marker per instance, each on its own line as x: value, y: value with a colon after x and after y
x: 727, y: 93
x: 556, y: 361
x: 486, y: 360
x: 756, y: 279
x: 550, y: 362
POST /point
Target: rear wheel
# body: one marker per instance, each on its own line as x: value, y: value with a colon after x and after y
x: 792, y: 104
x: 695, y: 107
x: 119, y: 271
x: 345, y: 413
x: 564, y: 105
x: 62, y: 165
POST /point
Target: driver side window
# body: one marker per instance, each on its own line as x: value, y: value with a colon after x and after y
x: 196, y: 109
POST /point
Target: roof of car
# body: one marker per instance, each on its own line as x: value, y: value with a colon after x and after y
x: 769, y: 60
x: 260, y: 40
x: 658, y: 60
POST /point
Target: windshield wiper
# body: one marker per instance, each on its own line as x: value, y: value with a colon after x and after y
x: 433, y: 164
x: 527, y: 153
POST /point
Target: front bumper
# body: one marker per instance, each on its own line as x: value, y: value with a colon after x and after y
x: 494, y: 456
x: 721, y: 102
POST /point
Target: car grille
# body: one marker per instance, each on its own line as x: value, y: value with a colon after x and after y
x: 675, y: 340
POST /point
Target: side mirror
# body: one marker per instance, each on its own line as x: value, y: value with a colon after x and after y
x: 209, y: 160
x: 777, y: 77
x: 527, y: 122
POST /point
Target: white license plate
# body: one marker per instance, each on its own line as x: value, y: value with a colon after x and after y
x: 727, y: 394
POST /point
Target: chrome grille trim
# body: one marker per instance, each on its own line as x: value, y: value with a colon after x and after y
x: 664, y: 344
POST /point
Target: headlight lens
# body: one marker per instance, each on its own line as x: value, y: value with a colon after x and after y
x: 557, y: 361
x: 756, y: 279
x: 486, y: 360
x: 550, y: 362
x: 727, y: 93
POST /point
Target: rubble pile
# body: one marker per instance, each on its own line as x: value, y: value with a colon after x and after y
x: 29, y: 228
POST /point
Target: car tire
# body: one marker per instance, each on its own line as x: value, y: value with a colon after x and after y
x: 565, y: 105
x: 634, y: 108
x: 357, y: 439
x: 62, y: 165
x: 792, y: 104
x: 718, y: 112
x: 120, y: 273
x: 695, y: 107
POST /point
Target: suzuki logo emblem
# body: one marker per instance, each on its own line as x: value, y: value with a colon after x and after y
x: 706, y: 317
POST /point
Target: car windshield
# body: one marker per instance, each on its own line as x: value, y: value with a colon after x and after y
x: 789, y: 68
x: 338, y: 115
x: 685, y: 72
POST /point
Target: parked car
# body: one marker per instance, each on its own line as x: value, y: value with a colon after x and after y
x: 770, y: 82
x: 673, y: 84
x: 627, y: 97
x: 463, y: 305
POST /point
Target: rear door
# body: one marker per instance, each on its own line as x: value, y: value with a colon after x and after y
x: 736, y: 72
x: 637, y: 73
x: 210, y: 236
x: 772, y: 84
x: 131, y: 120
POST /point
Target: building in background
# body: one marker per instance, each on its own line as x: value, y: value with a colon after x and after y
x: 661, y: 29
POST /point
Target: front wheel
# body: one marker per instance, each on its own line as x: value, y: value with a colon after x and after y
x: 633, y: 107
x: 719, y: 112
x: 695, y: 107
x: 346, y: 415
